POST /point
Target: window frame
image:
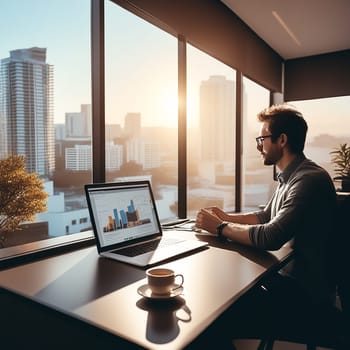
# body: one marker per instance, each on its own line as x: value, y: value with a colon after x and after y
x: 64, y: 243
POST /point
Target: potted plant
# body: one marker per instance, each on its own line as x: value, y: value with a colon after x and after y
x: 22, y: 195
x: 341, y: 160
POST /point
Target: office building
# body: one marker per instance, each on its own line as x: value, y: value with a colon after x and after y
x: 151, y: 155
x: 113, y: 132
x: 114, y: 156
x: 26, y: 109
x: 132, y: 124
x: 60, y: 132
x: 217, y: 101
x: 78, y: 124
x: 79, y: 157
x: 144, y: 152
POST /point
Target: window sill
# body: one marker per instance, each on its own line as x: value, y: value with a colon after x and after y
x: 39, y: 249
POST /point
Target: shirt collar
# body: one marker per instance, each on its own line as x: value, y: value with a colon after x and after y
x: 284, y: 176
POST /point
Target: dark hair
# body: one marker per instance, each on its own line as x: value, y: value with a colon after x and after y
x: 284, y: 119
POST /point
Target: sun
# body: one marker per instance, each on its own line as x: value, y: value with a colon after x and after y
x: 170, y: 106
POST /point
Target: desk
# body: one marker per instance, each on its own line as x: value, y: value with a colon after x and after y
x: 103, y: 293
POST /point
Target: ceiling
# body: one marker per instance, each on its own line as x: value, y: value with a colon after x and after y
x: 297, y: 28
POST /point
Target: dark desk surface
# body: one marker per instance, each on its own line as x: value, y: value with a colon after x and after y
x: 103, y: 293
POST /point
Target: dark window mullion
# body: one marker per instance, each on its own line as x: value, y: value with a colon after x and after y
x: 239, y: 141
x: 98, y: 90
x: 182, y: 129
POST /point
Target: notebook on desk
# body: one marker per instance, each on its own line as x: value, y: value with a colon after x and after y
x: 126, y: 225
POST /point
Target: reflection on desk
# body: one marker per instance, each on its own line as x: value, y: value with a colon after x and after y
x: 163, y: 318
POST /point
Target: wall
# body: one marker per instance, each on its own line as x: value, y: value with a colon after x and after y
x: 318, y: 76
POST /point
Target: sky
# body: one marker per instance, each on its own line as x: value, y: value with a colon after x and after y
x: 141, y: 65
x: 24, y: 24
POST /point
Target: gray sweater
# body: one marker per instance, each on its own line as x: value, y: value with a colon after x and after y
x: 302, y: 212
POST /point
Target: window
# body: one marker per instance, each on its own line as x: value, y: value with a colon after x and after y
x: 141, y: 105
x: 46, y: 59
x: 329, y: 126
x: 83, y: 220
x: 211, y: 132
x: 258, y: 183
x: 141, y: 114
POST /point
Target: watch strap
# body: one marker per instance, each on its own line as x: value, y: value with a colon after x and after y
x: 220, y: 228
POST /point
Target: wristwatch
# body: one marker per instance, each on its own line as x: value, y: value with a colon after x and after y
x: 219, y: 229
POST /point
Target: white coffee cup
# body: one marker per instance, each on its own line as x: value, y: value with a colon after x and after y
x: 162, y: 280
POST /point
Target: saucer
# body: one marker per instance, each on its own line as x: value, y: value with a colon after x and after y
x: 146, y: 292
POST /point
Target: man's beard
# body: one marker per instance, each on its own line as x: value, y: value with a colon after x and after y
x: 272, y: 158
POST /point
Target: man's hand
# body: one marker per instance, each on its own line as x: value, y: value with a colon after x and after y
x: 220, y: 213
x: 208, y: 220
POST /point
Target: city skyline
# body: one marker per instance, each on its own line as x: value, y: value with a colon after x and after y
x: 68, y: 50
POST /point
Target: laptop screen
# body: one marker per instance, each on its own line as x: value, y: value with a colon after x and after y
x: 121, y: 212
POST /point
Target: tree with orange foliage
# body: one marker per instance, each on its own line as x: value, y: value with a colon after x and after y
x: 22, y: 194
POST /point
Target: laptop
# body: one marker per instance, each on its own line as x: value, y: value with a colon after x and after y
x: 126, y: 225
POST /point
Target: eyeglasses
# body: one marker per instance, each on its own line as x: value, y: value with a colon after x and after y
x: 260, y: 140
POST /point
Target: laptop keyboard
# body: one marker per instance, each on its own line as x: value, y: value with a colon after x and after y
x: 138, y: 249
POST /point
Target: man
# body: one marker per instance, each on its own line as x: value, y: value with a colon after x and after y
x: 301, y: 213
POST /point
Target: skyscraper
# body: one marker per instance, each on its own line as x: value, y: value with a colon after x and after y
x: 132, y: 125
x: 217, y: 118
x: 78, y: 124
x: 26, y: 98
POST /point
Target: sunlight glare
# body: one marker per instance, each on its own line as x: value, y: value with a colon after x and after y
x: 170, y: 106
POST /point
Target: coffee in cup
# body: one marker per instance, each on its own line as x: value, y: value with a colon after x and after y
x: 162, y: 280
